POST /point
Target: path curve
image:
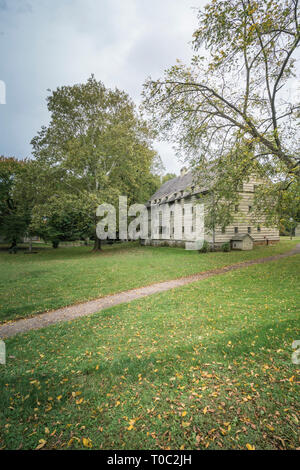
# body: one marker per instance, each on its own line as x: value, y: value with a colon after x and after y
x: 87, y: 308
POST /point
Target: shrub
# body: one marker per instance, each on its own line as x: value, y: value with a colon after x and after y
x: 205, y: 247
x: 225, y: 247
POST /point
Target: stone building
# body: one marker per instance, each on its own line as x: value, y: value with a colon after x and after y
x: 173, y: 212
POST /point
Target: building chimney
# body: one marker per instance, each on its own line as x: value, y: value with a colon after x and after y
x: 183, y: 171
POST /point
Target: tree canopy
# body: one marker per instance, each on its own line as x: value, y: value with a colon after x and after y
x: 95, y: 148
x: 14, y: 212
x: 235, y: 109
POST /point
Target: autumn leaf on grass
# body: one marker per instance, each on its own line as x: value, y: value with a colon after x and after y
x: 41, y: 444
x: 87, y: 442
x: 185, y: 424
x: 250, y: 447
x: 270, y: 427
x: 131, y: 423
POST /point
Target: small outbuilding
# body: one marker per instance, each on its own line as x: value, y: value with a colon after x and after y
x: 242, y: 242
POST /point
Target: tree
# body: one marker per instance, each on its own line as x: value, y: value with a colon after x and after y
x: 96, y: 146
x: 14, y: 214
x: 287, y: 205
x: 157, y: 167
x: 64, y: 217
x: 233, y: 113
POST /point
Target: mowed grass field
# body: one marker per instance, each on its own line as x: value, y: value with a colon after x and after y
x: 49, y: 279
x: 204, y: 366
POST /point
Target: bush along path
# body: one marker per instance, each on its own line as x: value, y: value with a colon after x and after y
x: 87, y: 308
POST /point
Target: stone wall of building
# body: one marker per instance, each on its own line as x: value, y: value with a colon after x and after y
x: 175, y: 222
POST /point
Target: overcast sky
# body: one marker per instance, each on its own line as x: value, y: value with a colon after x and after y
x: 48, y: 43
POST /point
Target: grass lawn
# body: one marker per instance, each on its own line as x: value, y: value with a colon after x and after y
x: 204, y: 366
x: 50, y: 279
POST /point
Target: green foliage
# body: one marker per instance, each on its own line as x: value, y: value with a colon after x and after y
x: 95, y: 148
x: 226, y: 247
x: 64, y: 217
x: 226, y: 111
x: 157, y: 167
x: 14, y: 213
x: 283, y: 204
x: 205, y: 247
x: 13, y: 226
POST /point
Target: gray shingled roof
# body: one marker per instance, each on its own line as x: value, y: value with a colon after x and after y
x: 176, y: 185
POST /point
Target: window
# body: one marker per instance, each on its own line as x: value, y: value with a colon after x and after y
x: 249, y: 208
x: 192, y: 209
x: 182, y: 211
x: 160, y: 229
x: 258, y: 228
x: 172, y: 213
x: 193, y: 228
x: 223, y: 229
x: 249, y: 229
x: 182, y: 229
x: 236, y: 230
x: 236, y: 208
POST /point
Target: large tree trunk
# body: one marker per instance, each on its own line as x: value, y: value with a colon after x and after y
x: 97, y: 244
